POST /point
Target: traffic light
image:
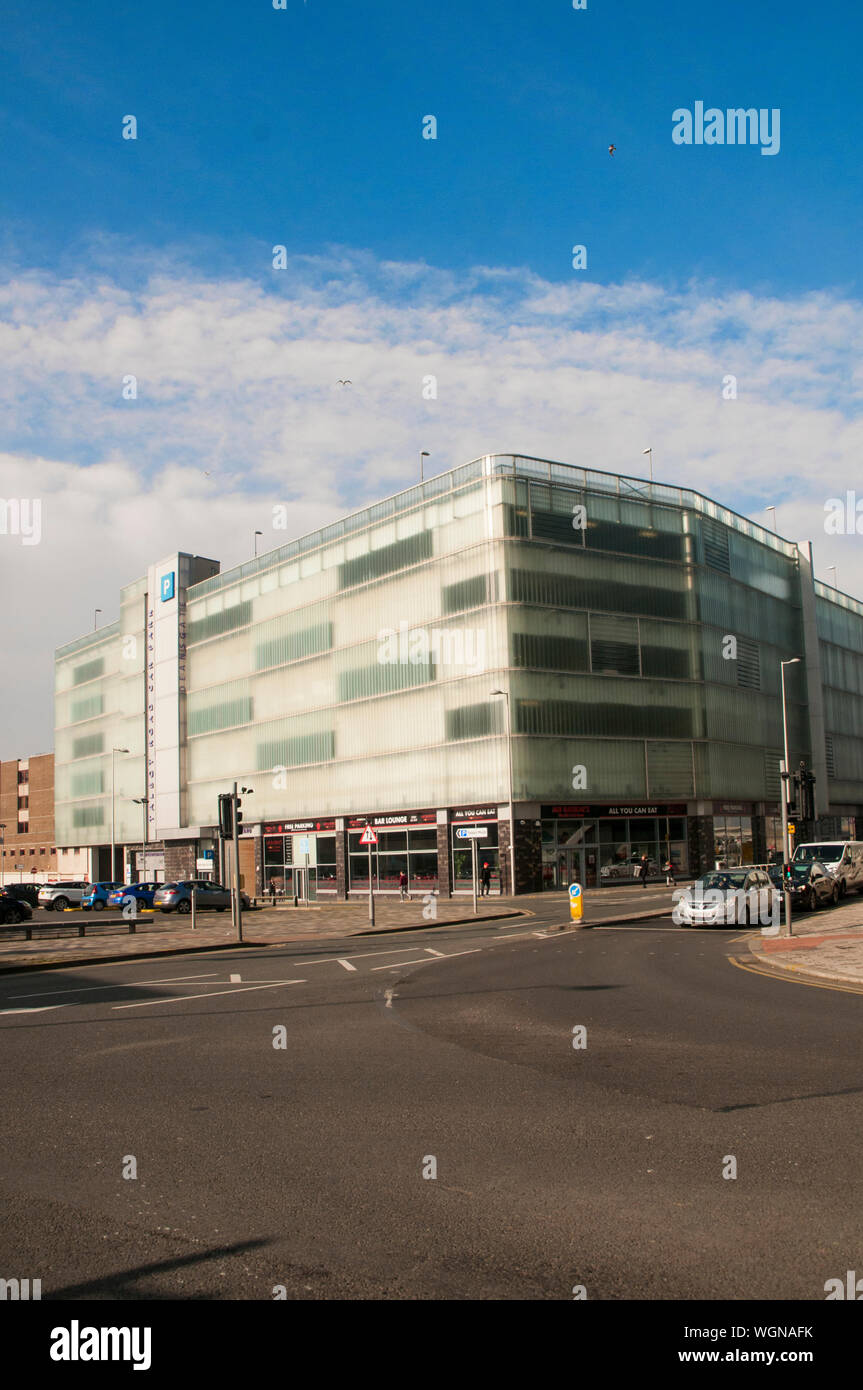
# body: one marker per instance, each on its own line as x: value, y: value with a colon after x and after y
x: 238, y: 813
x: 804, y: 789
x: 226, y: 822
x: 787, y: 876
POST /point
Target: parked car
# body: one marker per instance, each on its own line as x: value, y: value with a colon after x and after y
x: 725, y: 897
x: 143, y: 894
x: 177, y: 897
x: 13, y: 910
x: 58, y: 896
x: 24, y: 892
x: 96, y: 897
x: 810, y: 885
x: 843, y: 859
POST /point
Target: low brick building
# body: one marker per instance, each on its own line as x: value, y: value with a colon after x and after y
x: 27, y: 849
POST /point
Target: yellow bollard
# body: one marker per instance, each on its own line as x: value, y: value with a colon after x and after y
x: 576, y: 902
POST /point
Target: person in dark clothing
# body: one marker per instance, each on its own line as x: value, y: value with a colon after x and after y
x: 643, y: 867
x: 403, y: 885
x: 485, y: 880
x: 273, y: 889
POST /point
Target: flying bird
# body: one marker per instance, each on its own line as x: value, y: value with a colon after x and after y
x: 343, y: 383
x: 611, y: 150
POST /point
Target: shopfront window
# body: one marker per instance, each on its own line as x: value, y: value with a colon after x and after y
x: 406, y: 850
x: 732, y: 840
x: 486, y: 853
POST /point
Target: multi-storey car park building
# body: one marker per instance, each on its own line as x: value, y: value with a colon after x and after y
x: 593, y: 659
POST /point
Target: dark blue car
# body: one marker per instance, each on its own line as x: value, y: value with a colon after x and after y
x: 141, y: 892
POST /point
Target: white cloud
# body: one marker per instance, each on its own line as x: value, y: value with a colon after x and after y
x: 238, y: 378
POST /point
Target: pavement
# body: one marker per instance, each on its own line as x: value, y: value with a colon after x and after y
x: 827, y: 945
x: 108, y: 937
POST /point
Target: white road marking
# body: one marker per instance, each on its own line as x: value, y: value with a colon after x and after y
x: 184, y: 998
x: 432, y: 952
x: 347, y: 965
x: 234, y: 980
x: 86, y: 989
x: 40, y: 1009
x: 394, y: 965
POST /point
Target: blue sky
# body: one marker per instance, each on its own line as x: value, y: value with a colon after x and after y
x: 302, y: 126
x: 407, y: 258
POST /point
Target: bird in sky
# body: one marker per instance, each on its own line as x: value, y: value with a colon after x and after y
x: 343, y: 383
x: 611, y: 150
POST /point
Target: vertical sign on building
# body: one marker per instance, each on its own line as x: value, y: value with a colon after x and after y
x: 151, y: 714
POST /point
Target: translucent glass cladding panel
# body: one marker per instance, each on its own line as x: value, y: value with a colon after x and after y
x: 736, y: 714
x: 762, y: 568
x: 292, y: 637
x: 599, y: 583
x: 669, y: 769
x: 549, y: 641
x: 843, y: 713
x: 735, y: 608
x: 838, y: 624
x: 217, y: 620
x: 543, y: 768
x: 669, y: 650
x: 413, y: 596
x: 221, y: 707
x: 412, y: 550
x: 86, y: 706
x: 213, y: 662
x: 456, y: 774
x: 598, y: 706
x: 841, y: 668
x: 729, y: 770
x: 614, y: 645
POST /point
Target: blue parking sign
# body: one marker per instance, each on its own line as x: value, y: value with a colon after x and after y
x: 167, y: 586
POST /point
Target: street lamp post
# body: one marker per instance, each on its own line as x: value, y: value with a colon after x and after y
x: 773, y: 510
x: 650, y: 461
x: 785, y: 778
x: 2, y: 850
x: 96, y: 613
x: 114, y: 752
x: 142, y: 802
x: 257, y: 533
x: 505, y: 694
x: 423, y: 455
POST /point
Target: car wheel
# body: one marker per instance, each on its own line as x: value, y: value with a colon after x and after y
x: 810, y: 900
x: 60, y: 904
x: 184, y: 906
x: 14, y: 916
x: 98, y: 906
x: 835, y: 895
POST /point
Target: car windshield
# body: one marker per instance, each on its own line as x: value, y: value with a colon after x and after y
x: 721, y: 880
x: 806, y: 853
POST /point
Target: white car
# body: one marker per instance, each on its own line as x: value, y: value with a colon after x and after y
x: 726, y: 897
x: 59, y: 896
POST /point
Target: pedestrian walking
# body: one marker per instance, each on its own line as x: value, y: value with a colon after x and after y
x: 403, y: 886
x: 485, y: 880
x: 669, y: 872
x: 643, y: 868
x: 273, y: 890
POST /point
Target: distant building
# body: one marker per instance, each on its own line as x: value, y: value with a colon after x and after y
x: 351, y: 676
x: 28, y: 853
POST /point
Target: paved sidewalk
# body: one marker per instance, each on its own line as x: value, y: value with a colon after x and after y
x: 165, y: 935
x: 827, y: 945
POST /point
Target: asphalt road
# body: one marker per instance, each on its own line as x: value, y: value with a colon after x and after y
x: 302, y: 1166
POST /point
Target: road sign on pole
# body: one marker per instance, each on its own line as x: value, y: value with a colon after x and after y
x: 472, y: 832
x: 369, y: 837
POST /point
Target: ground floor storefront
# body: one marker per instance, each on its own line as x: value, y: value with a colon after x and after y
x: 431, y: 850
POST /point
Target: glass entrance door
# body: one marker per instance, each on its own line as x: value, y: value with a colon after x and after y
x: 573, y: 867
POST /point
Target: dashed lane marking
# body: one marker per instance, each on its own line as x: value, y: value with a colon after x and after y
x: 347, y: 965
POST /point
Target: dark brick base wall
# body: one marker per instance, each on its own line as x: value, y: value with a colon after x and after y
x: 179, y: 860
x: 528, y: 857
x: 444, y: 875
x: 701, y: 857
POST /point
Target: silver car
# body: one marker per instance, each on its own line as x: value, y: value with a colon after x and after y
x: 58, y: 896
x: 177, y: 897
